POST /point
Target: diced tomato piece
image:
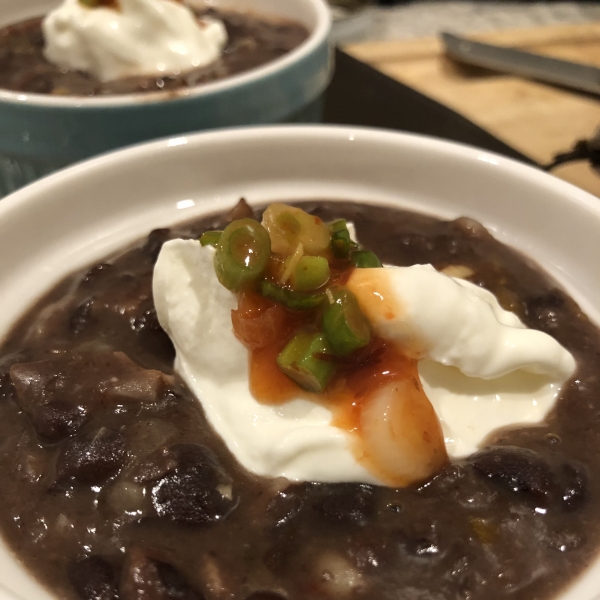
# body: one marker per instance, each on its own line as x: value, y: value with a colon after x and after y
x: 258, y: 322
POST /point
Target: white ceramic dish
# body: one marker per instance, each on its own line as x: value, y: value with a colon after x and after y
x: 77, y: 216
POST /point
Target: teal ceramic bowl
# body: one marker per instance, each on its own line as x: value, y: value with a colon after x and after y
x: 40, y: 133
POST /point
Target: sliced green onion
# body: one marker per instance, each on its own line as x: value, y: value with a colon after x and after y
x: 345, y: 326
x: 242, y: 254
x: 310, y: 273
x: 289, y: 226
x: 290, y: 263
x: 290, y: 298
x: 210, y: 238
x: 363, y: 259
x: 340, y: 239
x: 302, y: 361
x: 287, y: 222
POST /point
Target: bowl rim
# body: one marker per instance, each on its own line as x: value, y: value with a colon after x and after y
x: 264, y: 133
x: 318, y: 35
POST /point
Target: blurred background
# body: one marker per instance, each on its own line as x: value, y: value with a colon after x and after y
x: 401, y: 38
x: 358, y: 20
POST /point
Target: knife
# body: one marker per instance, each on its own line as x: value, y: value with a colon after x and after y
x: 552, y: 70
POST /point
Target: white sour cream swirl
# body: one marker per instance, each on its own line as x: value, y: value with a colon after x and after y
x: 480, y: 367
x: 294, y: 440
x: 140, y: 37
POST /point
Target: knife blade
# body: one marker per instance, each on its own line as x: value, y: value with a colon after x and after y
x: 518, y: 62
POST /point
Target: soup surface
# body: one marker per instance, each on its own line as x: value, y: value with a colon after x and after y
x: 114, y: 486
x: 253, y: 41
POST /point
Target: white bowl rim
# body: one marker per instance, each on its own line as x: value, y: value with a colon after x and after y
x: 265, y: 132
x: 318, y: 36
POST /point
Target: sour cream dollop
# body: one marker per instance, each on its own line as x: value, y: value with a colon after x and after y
x: 480, y: 367
x: 139, y: 37
x: 295, y: 440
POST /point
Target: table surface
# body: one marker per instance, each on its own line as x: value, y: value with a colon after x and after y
x: 421, y: 18
x: 537, y: 119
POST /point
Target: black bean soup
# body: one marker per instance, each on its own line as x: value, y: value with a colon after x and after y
x: 253, y: 41
x: 114, y: 485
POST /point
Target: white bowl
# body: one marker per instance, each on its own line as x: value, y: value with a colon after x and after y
x: 75, y: 217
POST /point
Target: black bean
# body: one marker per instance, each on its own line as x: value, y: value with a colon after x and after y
x: 37, y: 83
x: 552, y: 299
x: 346, y: 503
x: 416, y: 242
x: 186, y: 497
x: 422, y: 547
x: 96, y: 274
x: 545, y: 309
x: 92, y: 459
x: 7, y: 389
x: 451, y: 246
x: 156, y: 465
x: 286, y: 506
x: 242, y: 210
x: 145, y: 578
x: 30, y: 462
x: 471, y: 228
x: 57, y: 420
x: 367, y: 552
x: 150, y: 333
x: 197, y: 456
x: 552, y: 439
x: 277, y: 557
x: 84, y: 381
x: 265, y: 595
x: 418, y: 542
x: 563, y: 541
x: 123, y: 304
x: 146, y: 320
x: 123, y: 296
x: 154, y: 243
x: 37, y: 38
x: 175, y: 584
x: 93, y: 579
x: 81, y: 317
x: 129, y: 381
x: 519, y: 470
x: 575, y: 491
x: 194, y: 492
x: 447, y: 480
x: 548, y: 320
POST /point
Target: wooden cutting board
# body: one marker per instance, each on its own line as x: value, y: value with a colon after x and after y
x: 538, y: 119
